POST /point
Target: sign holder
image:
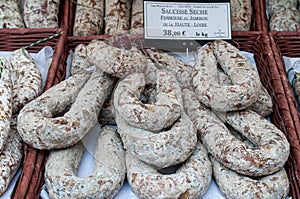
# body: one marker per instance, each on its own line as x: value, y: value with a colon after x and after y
x: 178, y: 25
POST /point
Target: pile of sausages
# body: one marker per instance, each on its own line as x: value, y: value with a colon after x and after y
x: 32, y: 14
x: 20, y: 82
x: 95, y: 17
x: 177, y: 126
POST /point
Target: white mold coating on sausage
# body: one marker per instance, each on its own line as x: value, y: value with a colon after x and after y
x: 27, y: 79
x: 234, y: 185
x: 89, y: 18
x: 191, y: 180
x: 115, y: 61
x: 263, y: 105
x: 182, y: 71
x: 41, y: 13
x: 10, y: 14
x: 245, y: 81
x: 10, y: 158
x: 79, y: 62
x: 137, y: 17
x: 285, y: 19
x: 86, y: 95
x: 275, y: 5
x: 107, y: 177
x: 5, y: 100
x: 117, y: 16
x: 241, y: 14
x: 155, y: 148
x: 155, y: 116
x: 271, y: 146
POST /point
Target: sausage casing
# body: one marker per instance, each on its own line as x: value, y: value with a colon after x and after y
x: 41, y: 13
x: 107, y: 177
x: 117, y: 16
x: 89, y: 18
x: 27, y: 79
x: 10, y: 14
x: 5, y: 100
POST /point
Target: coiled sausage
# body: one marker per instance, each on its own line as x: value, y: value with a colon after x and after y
x: 191, y: 180
x: 245, y: 80
x: 271, y: 146
x: 153, y: 117
x: 86, y: 93
x: 107, y: 177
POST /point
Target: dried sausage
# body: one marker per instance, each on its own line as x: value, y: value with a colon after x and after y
x: 241, y: 14
x: 182, y: 71
x: 285, y: 19
x: 153, y: 117
x: 137, y: 17
x: 155, y: 148
x: 191, y: 180
x: 263, y: 105
x: 84, y: 92
x: 276, y: 5
x: 107, y: 177
x: 6, y: 100
x: 117, y: 16
x: 10, y: 157
x: 41, y: 13
x: 89, y: 18
x: 115, y: 61
x: 234, y: 185
x: 272, y: 147
x: 27, y: 79
x: 10, y: 14
x: 245, y: 81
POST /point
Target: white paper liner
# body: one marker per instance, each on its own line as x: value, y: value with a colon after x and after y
x: 43, y: 60
x: 292, y: 66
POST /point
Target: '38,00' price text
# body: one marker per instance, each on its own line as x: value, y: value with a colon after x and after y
x: 173, y: 33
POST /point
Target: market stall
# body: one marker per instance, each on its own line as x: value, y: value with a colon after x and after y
x: 126, y: 115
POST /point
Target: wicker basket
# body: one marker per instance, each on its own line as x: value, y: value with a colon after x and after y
x: 28, y: 185
x: 288, y: 44
x: 257, y: 22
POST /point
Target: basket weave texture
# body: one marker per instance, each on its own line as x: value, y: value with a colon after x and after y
x: 288, y: 44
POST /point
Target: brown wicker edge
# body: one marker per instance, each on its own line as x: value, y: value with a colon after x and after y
x: 262, y: 15
x: 30, y: 182
x: 284, y: 43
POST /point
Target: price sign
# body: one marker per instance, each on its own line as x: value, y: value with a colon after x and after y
x: 165, y: 20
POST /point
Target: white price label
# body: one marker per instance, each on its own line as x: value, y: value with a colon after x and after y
x: 188, y: 21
